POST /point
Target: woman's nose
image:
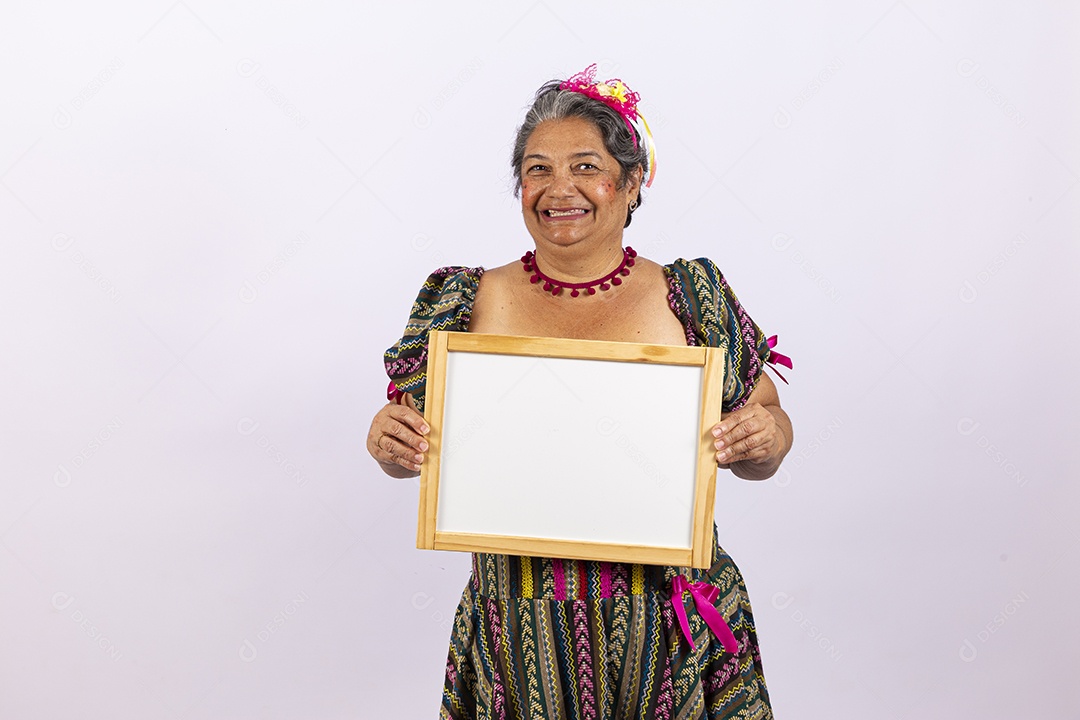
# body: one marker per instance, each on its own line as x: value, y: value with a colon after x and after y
x: 562, y: 185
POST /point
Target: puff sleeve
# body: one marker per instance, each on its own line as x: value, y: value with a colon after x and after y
x: 444, y: 302
x: 709, y: 308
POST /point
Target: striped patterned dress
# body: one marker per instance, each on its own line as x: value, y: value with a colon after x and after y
x: 567, y: 639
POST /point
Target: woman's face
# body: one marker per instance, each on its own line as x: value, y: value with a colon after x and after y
x: 570, y: 185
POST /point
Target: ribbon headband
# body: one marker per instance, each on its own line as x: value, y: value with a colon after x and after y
x: 622, y: 100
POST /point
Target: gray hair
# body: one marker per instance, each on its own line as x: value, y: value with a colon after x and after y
x: 551, y: 103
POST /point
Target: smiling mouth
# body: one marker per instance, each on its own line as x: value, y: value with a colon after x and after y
x: 565, y: 213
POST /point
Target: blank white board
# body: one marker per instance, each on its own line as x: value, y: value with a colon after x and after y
x: 548, y: 447
x: 596, y: 456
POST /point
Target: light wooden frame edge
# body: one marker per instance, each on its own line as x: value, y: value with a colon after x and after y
x: 699, y: 555
x: 433, y: 414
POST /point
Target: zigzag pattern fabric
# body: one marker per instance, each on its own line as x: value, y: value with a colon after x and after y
x: 444, y: 302
x: 697, y: 293
x: 569, y: 639
x: 712, y: 315
x: 580, y: 640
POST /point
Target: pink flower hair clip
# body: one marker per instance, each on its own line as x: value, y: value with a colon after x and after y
x: 615, y: 94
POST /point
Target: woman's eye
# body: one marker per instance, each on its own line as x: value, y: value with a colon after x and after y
x: 586, y: 166
x: 537, y: 168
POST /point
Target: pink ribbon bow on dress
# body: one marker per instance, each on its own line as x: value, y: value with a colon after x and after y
x: 704, y: 596
x: 775, y: 357
x: 394, y: 393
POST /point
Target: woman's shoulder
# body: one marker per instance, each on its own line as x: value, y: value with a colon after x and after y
x: 702, y: 266
x: 447, y: 286
x: 701, y: 287
x: 444, y: 302
x: 452, y: 277
x: 698, y: 277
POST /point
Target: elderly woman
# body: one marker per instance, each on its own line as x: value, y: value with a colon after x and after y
x: 558, y: 638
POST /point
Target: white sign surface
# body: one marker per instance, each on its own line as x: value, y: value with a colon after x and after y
x: 570, y: 449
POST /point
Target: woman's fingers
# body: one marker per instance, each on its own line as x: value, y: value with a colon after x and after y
x: 408, y: 416
x: 393, y: 450
x: 753, y: 447
x: 389, y: 450
x: 399, y: 427
x: 750, y: 433
x: 396, y: 436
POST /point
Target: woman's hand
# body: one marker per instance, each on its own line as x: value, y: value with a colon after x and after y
x: 396, y: 439
x: 755, y: 438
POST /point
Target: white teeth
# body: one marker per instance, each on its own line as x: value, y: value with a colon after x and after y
x: 564, y: 213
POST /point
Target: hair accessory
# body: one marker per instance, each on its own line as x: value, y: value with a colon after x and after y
x: 555, y: 287
x: 622, y: 100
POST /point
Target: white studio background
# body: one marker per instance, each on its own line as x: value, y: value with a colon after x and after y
x: 215, y: 218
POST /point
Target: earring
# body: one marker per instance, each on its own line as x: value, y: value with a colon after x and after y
x: 633, y: 205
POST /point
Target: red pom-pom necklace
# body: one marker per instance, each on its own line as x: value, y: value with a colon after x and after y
x: 555, y: 287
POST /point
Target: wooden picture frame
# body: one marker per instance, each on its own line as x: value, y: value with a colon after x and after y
x: 579, y: 449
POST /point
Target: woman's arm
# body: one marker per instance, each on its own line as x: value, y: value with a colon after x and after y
x: 753, y: 440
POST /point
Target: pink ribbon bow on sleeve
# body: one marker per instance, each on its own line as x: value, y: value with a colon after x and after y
x: 704, y: 596
x: 394, y: 393
x: 775, y: 357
